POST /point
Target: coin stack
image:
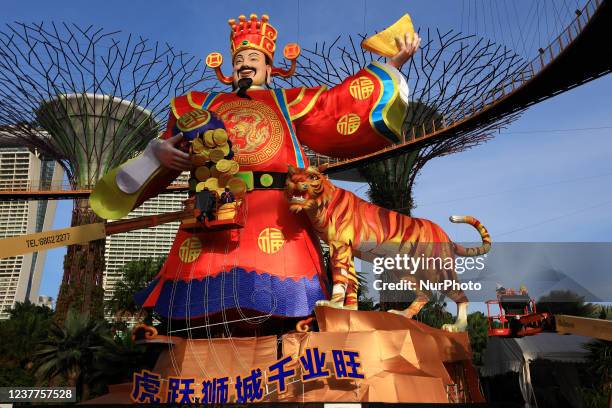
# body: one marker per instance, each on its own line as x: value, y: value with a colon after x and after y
x: 212, y: 157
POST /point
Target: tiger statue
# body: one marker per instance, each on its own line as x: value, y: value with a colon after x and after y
x: 354, y: 227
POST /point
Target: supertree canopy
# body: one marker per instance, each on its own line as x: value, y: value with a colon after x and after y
x: 90, y: 99
x: 95, y: 131
x: 449, y: 77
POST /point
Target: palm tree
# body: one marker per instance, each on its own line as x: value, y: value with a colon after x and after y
x: 600, y: 361
x: 70, y: 351
x: 26, y: 326
x: 566, y: 302
x: 478, y: 331
x: 434, y: 313
x: 135, y: 277
x: 116, y: 363
x: 600, y: 367
x: 364, y: 302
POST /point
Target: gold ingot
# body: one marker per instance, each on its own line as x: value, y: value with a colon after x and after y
x: 202, y: 173
x: 197, y: 145
x: 237, y: 186
x: 224, y: 166
x: 216, y: 155
x: 219, y: 136
x: 383, y: 43
x: 208, y: 138
x: 226, y: 211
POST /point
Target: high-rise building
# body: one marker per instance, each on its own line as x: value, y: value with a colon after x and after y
x: 45, y: 301
x: 144, y: 243
x: 21, y: 169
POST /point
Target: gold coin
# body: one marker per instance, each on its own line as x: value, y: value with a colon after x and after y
x: 220, y: 136
x: 214, y: 172
x: 216, y: 155
x: 237, y: 186
x: 197, y: 145
x: 224, y: 165
x: 225, y: 148
x: 208, y: 138
x: 212, y: 183
x: 199, y: 159
x: 224, y: 178
x: 235, y: 167
x: 200, y: 187
x: 202, y: 173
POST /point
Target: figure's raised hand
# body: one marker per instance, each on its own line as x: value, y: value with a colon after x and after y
x: 171, y: 157
x: 407, y: 48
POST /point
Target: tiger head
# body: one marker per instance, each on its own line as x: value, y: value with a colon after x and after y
x: 307, y: 189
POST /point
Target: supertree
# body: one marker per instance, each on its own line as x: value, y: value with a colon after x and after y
x: 449, y: 76
x: 90, y: 99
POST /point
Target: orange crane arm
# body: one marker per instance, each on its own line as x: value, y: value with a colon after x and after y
x: 584, y: 326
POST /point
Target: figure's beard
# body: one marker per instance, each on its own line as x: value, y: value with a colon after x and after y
x: 243, y: 85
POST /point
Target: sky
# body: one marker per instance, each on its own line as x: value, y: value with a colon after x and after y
x: 546, y: 178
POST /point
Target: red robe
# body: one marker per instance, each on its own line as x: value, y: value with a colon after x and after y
x: 273, y: 265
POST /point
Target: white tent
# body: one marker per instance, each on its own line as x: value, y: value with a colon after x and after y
x: 504, y: 355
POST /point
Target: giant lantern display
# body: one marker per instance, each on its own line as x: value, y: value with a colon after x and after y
x: 246, y: 268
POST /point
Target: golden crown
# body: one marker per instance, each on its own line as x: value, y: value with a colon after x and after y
x: 254, y: 34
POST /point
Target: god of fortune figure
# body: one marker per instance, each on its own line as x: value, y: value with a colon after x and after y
x: 273, y: 265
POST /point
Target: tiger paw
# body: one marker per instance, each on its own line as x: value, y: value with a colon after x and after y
x: 404, y: 313
x: 329, y: 303
x: 455, y: 328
